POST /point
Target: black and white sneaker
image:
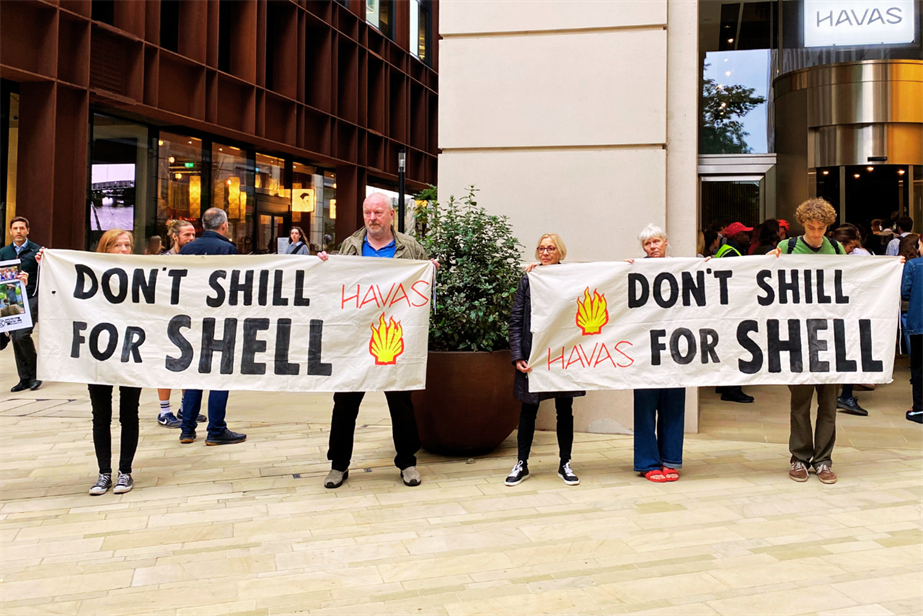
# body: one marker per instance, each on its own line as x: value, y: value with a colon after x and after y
x: 519, y: 474
x: 916, y: 416
x: 102, y: 485
x: 565, y: 473
x: 123, y: 484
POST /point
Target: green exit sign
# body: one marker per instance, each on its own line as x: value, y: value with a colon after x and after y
x: 189, y: 165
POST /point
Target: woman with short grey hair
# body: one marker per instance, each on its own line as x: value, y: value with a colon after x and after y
x: 659, y: 413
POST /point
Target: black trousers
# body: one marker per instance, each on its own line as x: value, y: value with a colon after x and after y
x: 343, y: 428
x: 565, y: 428
x: 24, y: 347
x: 101, y: 399
x: 916, y: 371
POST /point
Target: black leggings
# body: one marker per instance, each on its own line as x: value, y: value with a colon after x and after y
x: 565, y: 409
x: 101, y: 400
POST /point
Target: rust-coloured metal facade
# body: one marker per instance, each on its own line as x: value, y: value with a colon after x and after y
x: 309, y: 80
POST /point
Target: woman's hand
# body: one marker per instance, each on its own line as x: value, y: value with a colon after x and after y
x: 435, y: 263
x: 629, y: 261
x: 322, y: 255
x: 531, y: 266
x: 24, y: 276
x: 777, y: 251
x: 523, y: 366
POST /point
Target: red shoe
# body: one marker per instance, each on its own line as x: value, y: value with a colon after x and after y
x: 655, y: 475
x: 670, y: 474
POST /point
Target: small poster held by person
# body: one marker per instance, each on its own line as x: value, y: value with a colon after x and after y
x: 14, y: 301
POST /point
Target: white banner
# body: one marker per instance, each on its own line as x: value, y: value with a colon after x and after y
x: 740, y: 321
x: 259, y: 323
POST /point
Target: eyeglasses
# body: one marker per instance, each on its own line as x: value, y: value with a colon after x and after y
x: 546, y: 248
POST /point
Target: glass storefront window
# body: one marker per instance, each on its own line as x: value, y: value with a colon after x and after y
x: 232, y: 191
x: 179, y: 180
x: 269, y: 176
x: 420, y: 28
x: 735, y: 88
x: 379, y: 13
x: 119, y: 172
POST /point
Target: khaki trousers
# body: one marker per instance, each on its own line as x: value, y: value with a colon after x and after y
x: 813, y: 445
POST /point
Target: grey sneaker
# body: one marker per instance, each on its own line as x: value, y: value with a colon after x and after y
x: 123, y: 484
x: 102, y: 484
x: 411, y: 476
x: 335, y: 478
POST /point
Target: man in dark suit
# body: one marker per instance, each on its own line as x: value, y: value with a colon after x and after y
x: 25, y: 250
x: 214, y: 241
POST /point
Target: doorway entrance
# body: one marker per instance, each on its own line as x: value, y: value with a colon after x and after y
x: 862, y: 193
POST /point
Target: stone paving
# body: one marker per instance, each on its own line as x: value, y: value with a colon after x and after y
x: 249, y: 529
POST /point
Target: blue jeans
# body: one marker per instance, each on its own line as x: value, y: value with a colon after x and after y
x: 217, y: 408
x: 663, y: 409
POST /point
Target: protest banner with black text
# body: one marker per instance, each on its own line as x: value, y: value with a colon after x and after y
x: 690, y: 322
x: 260, y: 323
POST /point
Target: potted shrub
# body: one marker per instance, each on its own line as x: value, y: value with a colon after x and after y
x: 468, y: 405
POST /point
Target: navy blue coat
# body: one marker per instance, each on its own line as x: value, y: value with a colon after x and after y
x: 912, y: 290
x: 211, y: 243
x: 520, y: 334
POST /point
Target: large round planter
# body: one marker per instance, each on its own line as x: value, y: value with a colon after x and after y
x: 468, y: 406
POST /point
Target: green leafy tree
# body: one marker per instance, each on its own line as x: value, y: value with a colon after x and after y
x: 478, y: 274
x: 724, y: 105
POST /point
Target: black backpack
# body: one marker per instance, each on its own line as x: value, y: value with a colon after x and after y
x: 793, y: 241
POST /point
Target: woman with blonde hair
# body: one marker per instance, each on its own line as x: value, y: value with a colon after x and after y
x: 549, y: 251
x: 120, y: 242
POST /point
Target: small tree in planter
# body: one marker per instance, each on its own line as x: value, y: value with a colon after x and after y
x: 468, y: 405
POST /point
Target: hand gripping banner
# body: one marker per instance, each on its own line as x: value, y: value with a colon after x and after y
x: 691, y: 323
x: 261, y: 323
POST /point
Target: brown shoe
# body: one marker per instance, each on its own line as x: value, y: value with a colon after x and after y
x: 798, y: 471
x: 826, y: 474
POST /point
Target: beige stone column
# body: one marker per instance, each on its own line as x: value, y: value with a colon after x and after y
x: 577, y: 117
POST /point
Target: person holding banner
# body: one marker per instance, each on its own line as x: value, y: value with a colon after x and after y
x: 377, y: 239
x: 812, y: 446
x: 549, y: 251
x: 120, y: 242
x: 659, y: 414
x: 738, y: 236
x: 912, y: 291
x: 26, y: 251
x: 214, y: 241
x: 180, y: 232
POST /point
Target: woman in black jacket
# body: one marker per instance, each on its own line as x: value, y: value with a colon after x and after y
x: 550, y: 251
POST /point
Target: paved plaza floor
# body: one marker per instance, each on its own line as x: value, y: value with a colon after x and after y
x: 249, y: 529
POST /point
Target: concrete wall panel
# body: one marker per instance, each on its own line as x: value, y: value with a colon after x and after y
x: 598, y: 88
x: 466, y: 17
x: 598, y: 200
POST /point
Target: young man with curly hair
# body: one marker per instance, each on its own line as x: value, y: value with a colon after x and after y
x: 812, y: 445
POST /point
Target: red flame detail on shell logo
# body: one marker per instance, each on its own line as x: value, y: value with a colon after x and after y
x: 592, y: 313
x: 387, y: 342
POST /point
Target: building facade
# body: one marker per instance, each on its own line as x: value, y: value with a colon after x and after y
x: 282, y: 112
x: 577, y: 118
x: 804, y: 98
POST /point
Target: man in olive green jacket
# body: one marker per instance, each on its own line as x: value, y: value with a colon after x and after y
x: 376, y: 239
